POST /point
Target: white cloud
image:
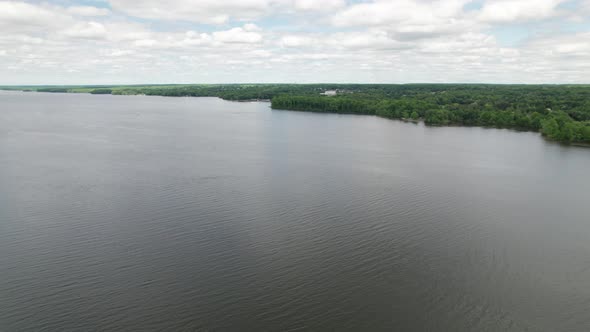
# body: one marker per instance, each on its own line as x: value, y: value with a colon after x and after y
x: 364, y: 40
x: 390, y: 12
x: 409, y: 19
x: 88, y: 11
x: 471, y: 43
x: 21, y: 16
x: 315, y: 5
x: 499, y: 11
x: 201, y: 11
x: 126, y: 31
x: 575, y: 45
x: 193, y: 38
x: 297, y: 41
x: 22, y: 40
x: 217, y: 40
x: 87, y: 30
x: 237, y: 35
x: 251, y: 27
x: 333, y: 40
x: 145, y: 43
x: 219, y: 12
x: 574, y: 48
x: 118, y: 53
x: 259, y: 53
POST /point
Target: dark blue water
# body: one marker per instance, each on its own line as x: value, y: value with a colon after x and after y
x: 178, y: 214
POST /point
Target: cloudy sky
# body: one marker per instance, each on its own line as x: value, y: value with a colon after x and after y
x: 300, y: 41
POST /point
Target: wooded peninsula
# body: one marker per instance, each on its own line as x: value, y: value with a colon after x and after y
x: 559, y: 112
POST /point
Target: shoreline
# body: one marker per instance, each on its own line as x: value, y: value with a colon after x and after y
x: 234, y: 98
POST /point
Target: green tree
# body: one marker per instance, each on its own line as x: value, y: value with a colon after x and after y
x: 550, y: 128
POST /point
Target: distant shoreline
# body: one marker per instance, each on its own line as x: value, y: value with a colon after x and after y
x: 559, y: 112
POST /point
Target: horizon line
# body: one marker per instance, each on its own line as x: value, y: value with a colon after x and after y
x: 283, y: 83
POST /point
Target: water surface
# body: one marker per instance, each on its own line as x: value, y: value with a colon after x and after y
x: 150, y: 213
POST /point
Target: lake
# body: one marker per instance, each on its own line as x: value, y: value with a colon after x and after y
x: 122, y: 213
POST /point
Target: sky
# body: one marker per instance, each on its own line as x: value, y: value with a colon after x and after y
x: 294, y: 41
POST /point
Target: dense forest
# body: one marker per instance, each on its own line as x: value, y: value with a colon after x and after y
x: 560, y: 112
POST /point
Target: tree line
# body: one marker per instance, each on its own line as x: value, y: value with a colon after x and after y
x: 560, y: 112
